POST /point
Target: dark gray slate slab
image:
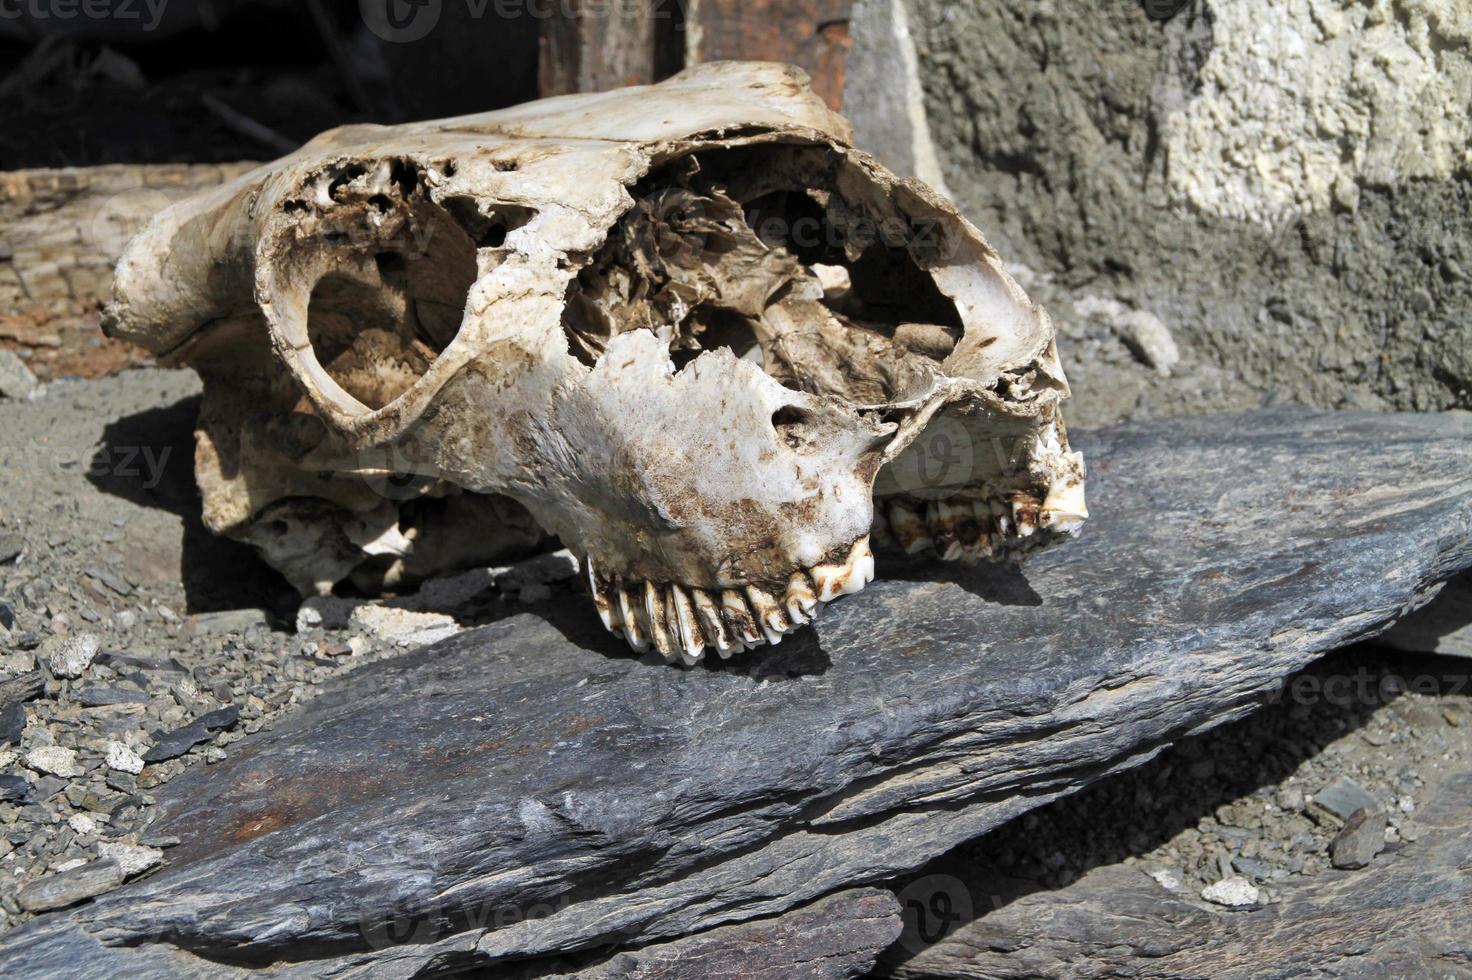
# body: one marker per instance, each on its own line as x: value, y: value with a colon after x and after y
x: 1405, y: 918
x: 528, y: 789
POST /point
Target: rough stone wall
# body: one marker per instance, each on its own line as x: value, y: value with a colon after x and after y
x: 1280, y: 188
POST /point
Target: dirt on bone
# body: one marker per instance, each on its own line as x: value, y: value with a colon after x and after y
x: 778, y: 270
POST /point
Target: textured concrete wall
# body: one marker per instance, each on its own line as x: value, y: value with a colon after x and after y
x: 1280, y: 189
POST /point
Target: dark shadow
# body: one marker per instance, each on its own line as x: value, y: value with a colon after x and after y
x: 1450, y: 612
x: 148, y: 459
x: 1003, y: 583
x: 1134, y: 813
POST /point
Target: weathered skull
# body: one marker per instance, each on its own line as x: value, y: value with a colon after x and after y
x: 686, y: 329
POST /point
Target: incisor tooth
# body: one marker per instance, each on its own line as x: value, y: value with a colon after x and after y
x: 687, y: 627
x: 801, y: 601
x: 659, y: 625
x: 715, y: 627
x: 635, y: 621
x: 739, y: 618
x: 769, y: 614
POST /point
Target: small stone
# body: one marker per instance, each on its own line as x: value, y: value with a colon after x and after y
x: 124, y: 620
x: 1234, y: 892
x: 123, y: 759
x: 54, y: 760
x: 73, y: 655
x: 1339, y: 800
x: 1289, y: 799
x: 1452, y: 718
x: 1362, y: 838
x: 403, y: 626
x: 173, y: 744
x: 1168, y: 878
x: 134, y: 859
x: 230, y: 621
x: 11, y: 546
x: 166, y: 614
x: 14, y: 788
x: 98, y: 697
x: 81, y: 824
x: 1406, y: 805
x: 1252, y: 868
x: 159, y: 840
x: 70, y: 887
x: 12, y: 724
x: 1149, y: 339
x: 16, y: 379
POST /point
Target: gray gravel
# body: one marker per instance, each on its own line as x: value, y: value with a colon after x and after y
x: 124, y: 659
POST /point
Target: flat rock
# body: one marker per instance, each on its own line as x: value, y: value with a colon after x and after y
x: 70, y: 887
x: 534, y: 766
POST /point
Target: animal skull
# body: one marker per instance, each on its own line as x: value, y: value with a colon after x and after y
x: 686, y: 328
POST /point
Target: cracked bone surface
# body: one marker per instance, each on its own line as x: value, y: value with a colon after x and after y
x: 687, y: 329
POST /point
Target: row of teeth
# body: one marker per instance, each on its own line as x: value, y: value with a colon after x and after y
x: 680, y: 621
x: 959, y: 529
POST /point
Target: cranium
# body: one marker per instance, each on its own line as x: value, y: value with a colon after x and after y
x: 686, y: 329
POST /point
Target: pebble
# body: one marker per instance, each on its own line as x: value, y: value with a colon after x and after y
x: 133, y: 859
x: 230, y: 621
x: 73, y: 655
x: 170, y: 745
x: 1234, y: 892
x: 1169, y: 879
x: 403, y: 626
x: 1339, y: 800
x: 123, y: 759
x: 1362, y: 838
x: 12, y: 724
x: 14, y: 788
x: 54, y: 760
x: 81, y: 824
x: 70, y: 887
x: 16, y: 379
x: 124, y: 620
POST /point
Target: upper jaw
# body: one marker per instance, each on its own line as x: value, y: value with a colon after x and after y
x: 683, y: 621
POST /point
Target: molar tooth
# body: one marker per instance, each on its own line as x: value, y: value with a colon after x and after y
x: 801, y: 602
x: 1025, y: 513
x: 908, y: 529
x: 1064, y: 511
x: 739, y: 618
x: 635, y: 620
x: 659, y: 625
x: 716, y: 632
x: 768, y: 614
x: 687, y: 627
x: 850, y: 577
